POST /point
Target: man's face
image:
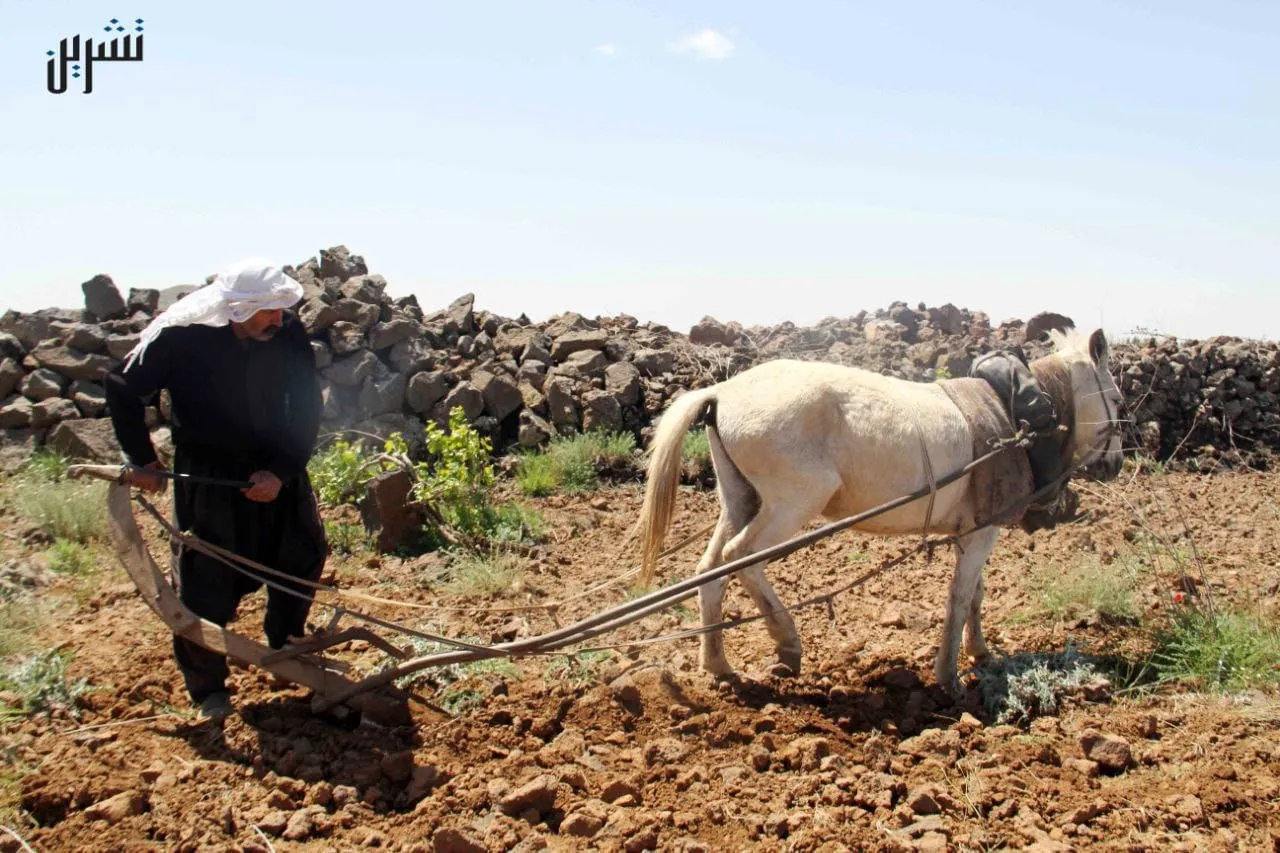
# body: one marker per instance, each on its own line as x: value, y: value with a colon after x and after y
x: 263, y: 325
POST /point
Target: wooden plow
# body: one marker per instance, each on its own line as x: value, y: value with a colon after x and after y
x: 336, y: 694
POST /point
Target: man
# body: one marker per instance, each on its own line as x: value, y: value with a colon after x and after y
x: 245, y: 406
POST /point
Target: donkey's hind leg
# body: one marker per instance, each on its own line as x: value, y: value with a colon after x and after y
x: 711, y: 599
x: 738, y: 504
x: 772, y: 526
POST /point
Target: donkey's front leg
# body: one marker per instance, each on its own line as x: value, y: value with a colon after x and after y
x: 975, y: 645
x: 974, y: 549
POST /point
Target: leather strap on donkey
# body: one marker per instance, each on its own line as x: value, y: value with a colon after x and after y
x: 1040, y: 409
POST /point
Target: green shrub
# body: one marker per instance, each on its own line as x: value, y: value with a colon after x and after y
x: 457, y: 479
x: 696, y: 449
x: 20, y: 619
x: 46, y: 465
x: 1015, y: 689
x: 537, y: 474
x: 339, y: 471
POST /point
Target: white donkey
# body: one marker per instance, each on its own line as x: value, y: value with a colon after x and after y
x: 795, y: 440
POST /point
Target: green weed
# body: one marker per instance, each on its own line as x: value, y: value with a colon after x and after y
x: 474, y: 574
x: 572, y: 464
x: 580, y: 669
x: 71, y: 558
x: 1230, y: 651
x: 42, y: 684
x: 1088, y: 588
x: 346, y: 538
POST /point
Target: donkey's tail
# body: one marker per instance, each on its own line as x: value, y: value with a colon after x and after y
x: 664, y: 474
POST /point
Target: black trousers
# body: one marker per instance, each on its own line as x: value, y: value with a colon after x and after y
x: 285, y: 534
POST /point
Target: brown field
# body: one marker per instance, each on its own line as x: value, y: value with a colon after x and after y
x: 638, y: 750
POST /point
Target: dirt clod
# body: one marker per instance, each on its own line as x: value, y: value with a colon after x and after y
x: 1111, y: 752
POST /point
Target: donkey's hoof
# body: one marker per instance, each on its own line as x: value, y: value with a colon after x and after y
x: 728, y: 683
x: 782, y: 670
x: 788, y: 660
x: 716, y: 667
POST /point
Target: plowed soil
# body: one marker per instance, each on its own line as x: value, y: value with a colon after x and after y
x: 637, y: 749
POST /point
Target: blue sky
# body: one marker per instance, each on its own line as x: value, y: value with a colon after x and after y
x: 755, y: 161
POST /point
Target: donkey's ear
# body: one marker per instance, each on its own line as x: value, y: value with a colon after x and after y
x: 1098, y: 347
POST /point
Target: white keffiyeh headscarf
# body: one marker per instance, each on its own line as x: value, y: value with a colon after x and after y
x: 236, y: 293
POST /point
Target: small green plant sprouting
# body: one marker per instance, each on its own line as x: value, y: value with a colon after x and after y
x: 458, y: 701
x: 449, y: 681
x: 580, y: 669
x: 13, y: 769
x: 1144, y: 463
x: 942, y: 373
x: 502, y: 667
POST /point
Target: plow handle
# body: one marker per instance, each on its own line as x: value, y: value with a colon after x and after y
x: 114, y: 473
x: 121, y: 474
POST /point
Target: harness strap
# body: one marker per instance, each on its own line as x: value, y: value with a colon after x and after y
x: 928, y: 473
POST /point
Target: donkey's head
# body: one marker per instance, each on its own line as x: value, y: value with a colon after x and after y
x: 1099, y: 406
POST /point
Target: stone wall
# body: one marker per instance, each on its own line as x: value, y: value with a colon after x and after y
x: 388, y: 364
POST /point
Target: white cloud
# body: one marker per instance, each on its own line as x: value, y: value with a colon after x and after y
x: 708, y: 44
x: 607, y: 49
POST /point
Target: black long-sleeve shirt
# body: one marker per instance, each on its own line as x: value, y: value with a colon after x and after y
x: 253, y: 402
